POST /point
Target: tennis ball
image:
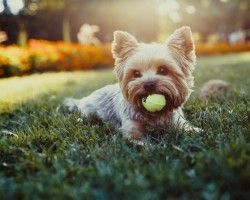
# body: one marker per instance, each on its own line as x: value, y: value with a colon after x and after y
x: 154, y: 102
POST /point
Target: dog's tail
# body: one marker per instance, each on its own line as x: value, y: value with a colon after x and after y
x: 213, y: 88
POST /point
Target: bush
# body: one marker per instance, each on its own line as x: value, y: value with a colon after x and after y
x: 41, y: 55
x: 219, y: 48
x: 13, y: 60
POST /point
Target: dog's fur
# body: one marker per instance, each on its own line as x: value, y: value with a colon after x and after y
x: 143, y: 69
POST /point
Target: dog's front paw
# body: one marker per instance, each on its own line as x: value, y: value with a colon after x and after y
x: 188, y: 128
x: 138, y: 142
x: 133, y: 131
x: 197, y: 130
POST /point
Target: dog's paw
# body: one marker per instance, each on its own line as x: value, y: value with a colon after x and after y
x: 197, y: 130
x: 192, y: 129
x: 138, y: 142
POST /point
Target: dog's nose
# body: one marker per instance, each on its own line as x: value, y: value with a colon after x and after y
x: 149, y: 86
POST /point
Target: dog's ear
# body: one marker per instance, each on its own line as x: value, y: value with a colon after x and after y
x: 122, y: 47
x: 182, y: 43
x: 123, y: 44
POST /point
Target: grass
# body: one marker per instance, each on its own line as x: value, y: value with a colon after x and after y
x: 46, y: 152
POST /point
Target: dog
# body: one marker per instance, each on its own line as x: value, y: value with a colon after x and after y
x: 142, y: 69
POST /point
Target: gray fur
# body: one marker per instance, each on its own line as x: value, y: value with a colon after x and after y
x: 109, y: 105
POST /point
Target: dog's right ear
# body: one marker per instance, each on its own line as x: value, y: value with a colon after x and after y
x: 123, y: 44
x: 122, y: 47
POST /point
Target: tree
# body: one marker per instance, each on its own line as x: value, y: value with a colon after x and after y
x: 210, y: 16
x: 33, y: 10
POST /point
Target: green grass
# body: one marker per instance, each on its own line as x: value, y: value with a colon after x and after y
x: 52, y: 155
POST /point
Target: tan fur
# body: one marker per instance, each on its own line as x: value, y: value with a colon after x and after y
x: 166, y: 67
x: 176, y: 55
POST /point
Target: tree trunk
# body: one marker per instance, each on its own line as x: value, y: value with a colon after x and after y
x: 22, y: 35
x: 66, y: 29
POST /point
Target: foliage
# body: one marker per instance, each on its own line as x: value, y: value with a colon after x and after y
x: 220, y: 48
x: 11, y: 59
x: 206, y: 16
x: 46, y: 152
x: 43, y: 55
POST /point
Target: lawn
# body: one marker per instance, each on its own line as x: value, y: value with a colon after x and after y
x: 48, y: 153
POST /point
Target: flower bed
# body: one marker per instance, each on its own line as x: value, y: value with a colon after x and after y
x: 220, y: 48
x: 41, y: 55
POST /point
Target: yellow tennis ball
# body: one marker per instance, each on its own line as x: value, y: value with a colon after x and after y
x: 154, y: 102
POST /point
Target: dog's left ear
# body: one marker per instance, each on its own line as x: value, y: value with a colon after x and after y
x: 182, y: 43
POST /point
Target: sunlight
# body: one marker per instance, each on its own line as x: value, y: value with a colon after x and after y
x: 170, y: 8
x: 1, y: 6
x: 15, y: 6
x: 17, y: 90
x: 190, y: 9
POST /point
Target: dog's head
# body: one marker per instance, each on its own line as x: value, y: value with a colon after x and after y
x: 143, y: 69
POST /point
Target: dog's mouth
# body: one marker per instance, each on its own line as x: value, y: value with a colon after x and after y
x: 168, y: 107
x: 136, y: 97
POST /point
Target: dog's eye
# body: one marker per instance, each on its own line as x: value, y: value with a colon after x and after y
x: 162, y: 71
x: 137, y: 74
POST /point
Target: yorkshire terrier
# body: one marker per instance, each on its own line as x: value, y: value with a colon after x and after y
x: 143, y: 69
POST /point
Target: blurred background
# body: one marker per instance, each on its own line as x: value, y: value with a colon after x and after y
x: 63, y: 28
x: 211, y: 20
